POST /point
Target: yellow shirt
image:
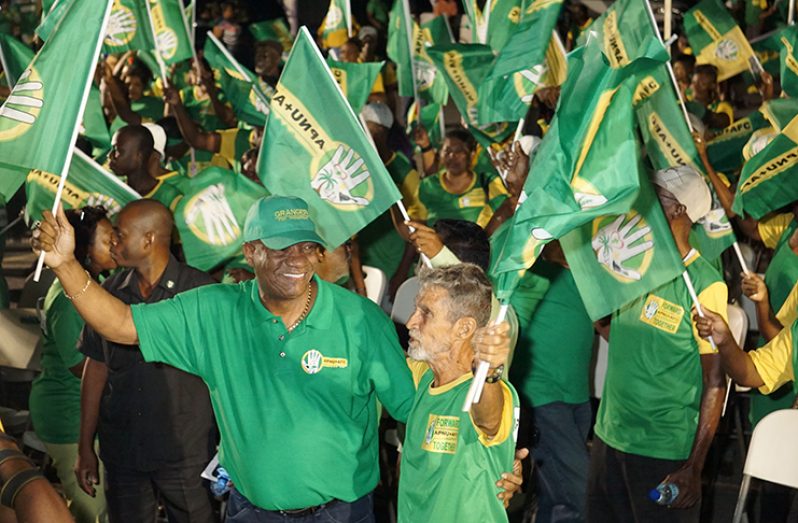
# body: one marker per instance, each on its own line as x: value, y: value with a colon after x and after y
x: 773, y: 362
x: 772, y: 228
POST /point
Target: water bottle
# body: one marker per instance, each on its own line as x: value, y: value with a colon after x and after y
x: 664, y: 494
x: 222, y: 483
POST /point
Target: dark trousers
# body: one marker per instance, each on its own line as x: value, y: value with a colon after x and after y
x: 562, y: 461
x: 132, y: 496
x: 240, y: 510
x: 619, y: 484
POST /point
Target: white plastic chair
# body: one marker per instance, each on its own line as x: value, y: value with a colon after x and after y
x: 405, y: 302
x: 771, y: 455
x: 376, y: 283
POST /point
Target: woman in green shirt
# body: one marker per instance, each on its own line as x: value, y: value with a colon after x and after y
x: 55, y: 394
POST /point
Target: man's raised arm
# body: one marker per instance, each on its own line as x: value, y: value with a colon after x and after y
x: 110, y: 317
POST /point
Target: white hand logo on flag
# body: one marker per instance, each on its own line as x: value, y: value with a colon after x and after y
x: 167, y: 43
x: 218, y: 219
x: 425, y: 74
x: 337, y: 178
x: 616, y: 244
x: 121, y: 26
x: 96, y: 199
x: 589, y: 201
x: 715, y: 222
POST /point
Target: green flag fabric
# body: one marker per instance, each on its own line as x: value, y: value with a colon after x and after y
x: 767, y: 48
x: 788, y: 65
x: 505, y: 16
x: 128, y: 27
x: 38, y: 120
x: 51, y: 17
x: 211, y: 214
x: 275, y: 29
x: 669, y: 143
x: 780, y: 112
x: 334, y: 28
x: 430, y: 118
x: 14, y: 56
x: 170, y: 30
x: 464, y: 67
x: 770, y: 179
x: 582, y: 169
x: 716, y: 39
x: 87, y: 184
x: 412, y: 59
x: 248, y: 94
x: 616, y: 258
x: 314, y: 147
x: 725, y: 150
x: 355, y: 80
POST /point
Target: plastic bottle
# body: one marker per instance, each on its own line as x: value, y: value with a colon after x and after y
x: 222, y: 483
x: 664, y: 494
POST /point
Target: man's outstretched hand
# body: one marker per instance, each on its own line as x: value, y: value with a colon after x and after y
x: 55, y: 237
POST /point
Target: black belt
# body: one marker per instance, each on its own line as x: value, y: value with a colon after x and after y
x: 307, y: 511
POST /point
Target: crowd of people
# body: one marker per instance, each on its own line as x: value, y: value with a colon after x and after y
x: 276, y: 363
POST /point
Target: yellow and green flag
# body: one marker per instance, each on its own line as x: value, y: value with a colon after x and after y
x: 170, y: 30
x: 211, y: 214
x: 355, y: 80
x: 336, y: 25
x: 770, y: 179
x: 725, y: 150
x: 314, y: 147
x: 788, y: 61
x: 717, y: 39
x: 275, y: 29
x: 40, y: 119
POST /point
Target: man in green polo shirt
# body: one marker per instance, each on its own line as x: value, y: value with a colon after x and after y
x: 664, y: 387
x: 451, y: 458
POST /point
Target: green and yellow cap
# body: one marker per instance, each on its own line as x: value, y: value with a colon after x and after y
x: 280, y: 222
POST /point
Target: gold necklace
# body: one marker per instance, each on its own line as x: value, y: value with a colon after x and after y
x: 304, y: 311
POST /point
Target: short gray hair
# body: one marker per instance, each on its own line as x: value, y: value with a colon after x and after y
x: 468, y: 288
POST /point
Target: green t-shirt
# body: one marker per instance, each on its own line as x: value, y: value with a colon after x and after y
x: 199, y: 107
x: 297, y: 411
x: 167, y: 190
x: 380, y: 244
x: 652, y: 391
x: 552, y: 357
x: 55, y: 394
x: 476, y: 204
x: 449, y: 467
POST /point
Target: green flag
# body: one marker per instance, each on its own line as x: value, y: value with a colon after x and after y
x: 787, y: 61
x: 770, y: 179
x: 522, y: 64
x: 128, y: 27
x: 334, y: 28
x: 767, y: 49
x: 355, y: 80
x: 87, y: 184
x: 716, y: 39
x: 14, y: 57
x: 725, y: 150
x: 314, y: 147
x: 51, y: 17
x: 505, y: 16
x: 276, y: 30
x: 39, y: 120
x: 170, y: 30
x: 616, y: 258
x: 412, y: 58
x: 581, y: 169
x: 430, y: 118
x: 248, y: 94
x: 780, y: 112
x: 211, y: 214
x: 669, y: 143
x: 464, y: 67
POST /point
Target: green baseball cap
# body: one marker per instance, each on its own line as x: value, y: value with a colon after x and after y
x: 280, y: 222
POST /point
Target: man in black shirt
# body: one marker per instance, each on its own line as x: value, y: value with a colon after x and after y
x: 154, y: 422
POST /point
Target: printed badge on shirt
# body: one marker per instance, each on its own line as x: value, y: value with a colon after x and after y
x: 313, y: 361
x: 662, y: 314
x: 441, y: 434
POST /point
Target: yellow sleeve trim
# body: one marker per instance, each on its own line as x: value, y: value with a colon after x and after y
x: 417, y: 369
x: 789, y: 311
x: 773, y: 362
x: 714, y: 298
x: 771, y: 229
x: 507, y: 423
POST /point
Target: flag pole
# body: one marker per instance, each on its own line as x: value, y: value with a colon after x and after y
x: 158, y: 56
x: 349, y: 19
x: 5, y: 68
x: 478, y: 383
x: 486, y: 20
x: 409, y: 31
x: 238, y: 67
x: 668, y: 23
x: 791, y: 13
x: 81, y: 109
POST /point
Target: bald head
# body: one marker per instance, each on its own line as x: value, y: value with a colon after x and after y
x: 149, y: 217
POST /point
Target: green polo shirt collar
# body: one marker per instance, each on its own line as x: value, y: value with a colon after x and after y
x: 319, y: 318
